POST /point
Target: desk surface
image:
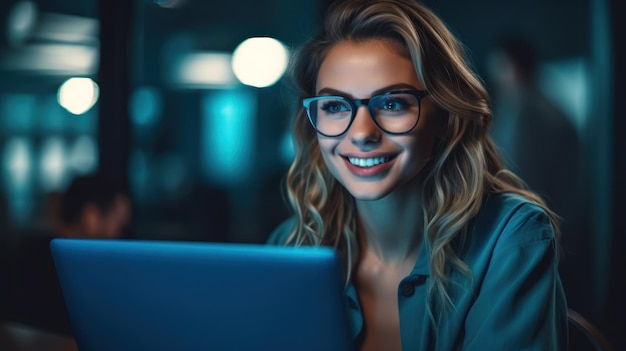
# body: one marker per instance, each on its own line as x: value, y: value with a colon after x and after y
x: 18, y: 337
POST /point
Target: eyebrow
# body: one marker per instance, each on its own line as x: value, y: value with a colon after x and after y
x: 400, y: 86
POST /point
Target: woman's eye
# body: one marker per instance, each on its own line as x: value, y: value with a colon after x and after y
x: 393, y: 105
x: 334, y: 107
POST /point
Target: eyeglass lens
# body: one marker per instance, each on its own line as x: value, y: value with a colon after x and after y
x: 394, y: 112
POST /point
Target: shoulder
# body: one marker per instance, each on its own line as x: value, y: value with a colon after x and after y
x: 512, y: 218
x: 509, y: 204
x: 280, y: 234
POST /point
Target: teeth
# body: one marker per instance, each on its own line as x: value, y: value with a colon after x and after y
x: 368, y: 162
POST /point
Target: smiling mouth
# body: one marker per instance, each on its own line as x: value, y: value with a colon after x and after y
x: 369, y: 162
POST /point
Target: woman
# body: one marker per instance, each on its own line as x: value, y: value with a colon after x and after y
x: 442, y: 247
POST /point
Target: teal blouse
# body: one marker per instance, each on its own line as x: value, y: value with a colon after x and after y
x: 514, y: 301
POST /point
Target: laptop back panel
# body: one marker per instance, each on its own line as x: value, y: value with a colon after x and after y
x: 154, y: 295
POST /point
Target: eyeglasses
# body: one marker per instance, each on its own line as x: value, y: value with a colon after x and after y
x: 395, y: 112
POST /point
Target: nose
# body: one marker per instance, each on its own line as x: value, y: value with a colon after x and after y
x: 364, y: 131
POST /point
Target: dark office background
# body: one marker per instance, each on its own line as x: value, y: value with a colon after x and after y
x: 204, y: 159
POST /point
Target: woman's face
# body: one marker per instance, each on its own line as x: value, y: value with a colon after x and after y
x: 359, y: 71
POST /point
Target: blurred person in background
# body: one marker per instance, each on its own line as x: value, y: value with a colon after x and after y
x: 92, y: 207
x: 538, y: 140
x: 541, y: 144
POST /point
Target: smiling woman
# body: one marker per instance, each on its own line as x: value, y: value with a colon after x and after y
x: 443, y: 247
x: 365, y: 70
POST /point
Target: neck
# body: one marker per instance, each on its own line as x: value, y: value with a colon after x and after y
x: 391, y: 228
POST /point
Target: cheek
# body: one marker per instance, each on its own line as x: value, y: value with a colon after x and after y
x: 425, y: 145
x: 424, y: 137
x: 418, y: 157
x: 420, y: 151
x: 331, y: 161
x: 327, y: 146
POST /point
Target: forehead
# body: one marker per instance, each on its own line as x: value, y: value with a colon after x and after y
x: 361, y: 68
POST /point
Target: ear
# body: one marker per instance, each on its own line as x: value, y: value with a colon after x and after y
x: 91, y: 220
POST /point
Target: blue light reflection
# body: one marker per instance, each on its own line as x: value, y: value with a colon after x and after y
x: 228, y: 135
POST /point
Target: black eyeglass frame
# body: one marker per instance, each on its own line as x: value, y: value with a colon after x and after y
x: 355, y: 104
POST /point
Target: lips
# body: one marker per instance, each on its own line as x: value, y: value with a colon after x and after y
x: 368, y: 162
x: 368, y: 166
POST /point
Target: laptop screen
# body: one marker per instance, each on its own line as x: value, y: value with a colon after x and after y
x: 157, y: 295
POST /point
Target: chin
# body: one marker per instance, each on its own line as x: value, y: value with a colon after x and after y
x: 381, y: 188
x: 368, y: 194
x: 369, y: 197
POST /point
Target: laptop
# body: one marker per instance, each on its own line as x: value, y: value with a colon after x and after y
x: 167, y: 295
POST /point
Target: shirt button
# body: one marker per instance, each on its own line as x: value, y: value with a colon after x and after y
x: 407, y: 289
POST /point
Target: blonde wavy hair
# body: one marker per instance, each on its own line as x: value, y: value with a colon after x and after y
x: 465, y: 166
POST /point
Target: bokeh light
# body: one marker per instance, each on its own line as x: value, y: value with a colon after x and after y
x: 82, y: 155
x: 52, y: 164
x: 228, y: 125
x: 78, y: 95
x: 204, y: 70
x: 21, y: 21
x: 260, y: 61
x: 169, y: 4
x: 146, y: 104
